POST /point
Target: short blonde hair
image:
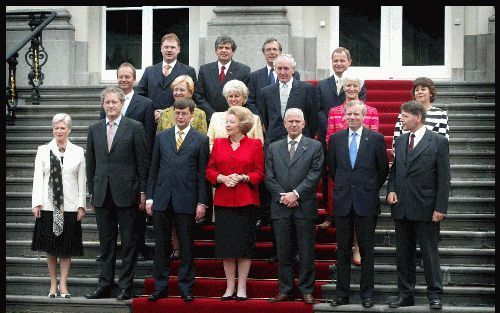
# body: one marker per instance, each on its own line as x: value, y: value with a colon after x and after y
x: 244, y: 115
x: 357, y: 80
x: 62, y: 117
x: 235, y: 86
x: 186, y: 79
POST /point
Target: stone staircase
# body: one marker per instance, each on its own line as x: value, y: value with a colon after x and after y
x: 467, y: 247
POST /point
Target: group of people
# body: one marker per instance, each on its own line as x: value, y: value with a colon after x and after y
x: 229, y: 145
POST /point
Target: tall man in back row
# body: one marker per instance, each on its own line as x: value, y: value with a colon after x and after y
x: 418, y: 190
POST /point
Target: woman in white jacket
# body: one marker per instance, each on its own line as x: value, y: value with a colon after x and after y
x: 58, y: 202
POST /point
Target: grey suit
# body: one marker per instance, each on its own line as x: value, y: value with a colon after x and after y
x: 115, y: 179
x: 421, y: 180
x: 302, y: 174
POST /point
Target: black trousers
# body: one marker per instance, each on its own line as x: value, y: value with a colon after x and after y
x: 365, y: 232
x: 108, y: 217
x: 184, y: 225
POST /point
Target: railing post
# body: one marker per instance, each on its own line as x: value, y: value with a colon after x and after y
x: 36, y: 57
x: 11, y: 91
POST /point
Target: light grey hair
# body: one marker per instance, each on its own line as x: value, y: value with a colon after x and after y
x: 353, y: 103
x: 358, y: 80
x: 245, y: 117
x: 235, y: 86
x: 116, y: 90
x: 62, y: 117
x: 294, y: 111
x: 287, y: 58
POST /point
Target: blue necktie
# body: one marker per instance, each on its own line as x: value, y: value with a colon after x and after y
x: 353, y: 149
x: 271, y: 76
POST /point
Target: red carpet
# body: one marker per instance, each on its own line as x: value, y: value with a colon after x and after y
x: 385, y: 95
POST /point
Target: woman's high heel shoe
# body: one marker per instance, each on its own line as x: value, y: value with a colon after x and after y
x: 63, y: 295
x: 176, y: 253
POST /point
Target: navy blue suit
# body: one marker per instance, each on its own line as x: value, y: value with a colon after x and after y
x: 156, y: 86
x: 357, y: 203
x: 208, y: 94
x: 176, y: 184
x: 302, y: 96
x: 258, y: 80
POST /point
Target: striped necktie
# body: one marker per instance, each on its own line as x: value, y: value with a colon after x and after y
x: 178, y: 143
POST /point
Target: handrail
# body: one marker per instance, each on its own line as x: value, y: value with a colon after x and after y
x: 34, y: 33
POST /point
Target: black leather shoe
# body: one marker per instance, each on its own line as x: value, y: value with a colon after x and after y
x: 157, y: 295
x: 98, y: 258
x: 99, y: 293
x: 238, y: 298
x: 258, y: 224
x: 401, y: 302
x: 436, y: 304
x: 273, y: 259
x: 187, y: 297
x: 367, y: 302
x: 124, y: 294
x: 340, y: 301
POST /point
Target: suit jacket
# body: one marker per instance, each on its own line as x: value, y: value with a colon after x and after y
x: 73, y: 177
x: 329, y: 98
x: 358, y: 187
x: 140, y: 109
x: 302, y: 96
x: 208, y: 92
x: 302, y: 174
x: 153, y: 86
x: 420, y: 178
x: 124, y: 167
x: 178, y: 176
x: 258, y: 80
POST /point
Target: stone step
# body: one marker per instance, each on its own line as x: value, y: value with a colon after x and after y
x: 46, y: 119
x: 472, y: 172
x: 460, y: 205
x: 28, y: 303
x: 465, y: 96
x: 45, y: 130
x: 453, y: 221
x: 471, y: 119
x: 468, y: 157
x: 465, y: 86
x: 383, y: 255
x: 24, y: 215
x: 73, y: 108
x: 29, y: 143
x: 452, y: 296
x: 383, y: 307
x: 476, y: 108
x: 472, y: 144
x: 472, y: 131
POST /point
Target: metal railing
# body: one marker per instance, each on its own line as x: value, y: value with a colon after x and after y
x: 35, y: 57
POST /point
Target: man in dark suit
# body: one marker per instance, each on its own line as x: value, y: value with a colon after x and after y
x: 265, y: 76
x: 156, y: 80
x: 287, y: 93
x: 138, y: 108
x: 357, y: 158
x: 177, y: 192
x: 212, y: 77
x: 293, y: 169
x: 331, y: 93
x: 117, y: 163
x: 418, y: 190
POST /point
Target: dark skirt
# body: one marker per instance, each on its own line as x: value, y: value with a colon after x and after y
x: 67, y: 244
x: 234, y: 232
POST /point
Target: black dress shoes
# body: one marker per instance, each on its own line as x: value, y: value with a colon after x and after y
x: 436, y: 304
x: 99, y: 293
x: 340, y: 301
x: 400, y: 302
x: 281, y: 297
x: 124, y: 294
x: 367, y: 302
x: 155, y: 296
x: 187, y: 297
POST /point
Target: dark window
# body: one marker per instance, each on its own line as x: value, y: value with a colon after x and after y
x: 171, y: 21
x: 359, y: 32
x: 423, y: 36
x: 123, y: 38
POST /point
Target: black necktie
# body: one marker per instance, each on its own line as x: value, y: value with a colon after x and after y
x: 412, y: 138
x: 271, y: 76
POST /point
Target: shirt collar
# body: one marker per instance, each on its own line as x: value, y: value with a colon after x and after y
x: 289, y: 83
x: 219, y: 65
x: 419, y: 133
x: 359, y: 132
x: 185, y: 130
x: 130, y: 94
x: 288, y: 139
x: 117, y: 120
x: 172, y: 64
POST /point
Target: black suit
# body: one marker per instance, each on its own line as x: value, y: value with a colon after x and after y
x: 294, y: 225
x: 356, y: 196
x: 421, y: 180
x: 258, y: 80
x: 208, y: 94
x: 115, y: 179
x: 176, y: 184
x: 156, y: 86
x: 302, y: 96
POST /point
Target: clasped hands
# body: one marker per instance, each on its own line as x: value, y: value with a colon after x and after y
x: 289, y: 199
x: 230, y: 180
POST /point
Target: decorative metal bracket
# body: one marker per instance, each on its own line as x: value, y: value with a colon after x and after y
x: 36, y: 57
x: 11, y: 91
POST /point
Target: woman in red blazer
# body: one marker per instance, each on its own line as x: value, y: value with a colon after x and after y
x: 235, y: 168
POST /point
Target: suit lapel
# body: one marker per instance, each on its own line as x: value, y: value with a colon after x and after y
x: 214, y: 72
x: 170, y: 135
x: 158, y: 73
x: 422, y: 145
x: 364, y: 141
x: 173, y: 74
x: 122, y: 128
x: 293, y: 94
x: 189, y: 137
x: 231, y: 72
x: 344, y: 145
x: 301, y: 149
x: 404, y: 148
x: 283, y: 148
x: 102, y: 134
x: 132, y: 105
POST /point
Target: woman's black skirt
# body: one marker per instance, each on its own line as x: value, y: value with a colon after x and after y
x: 235, y: 232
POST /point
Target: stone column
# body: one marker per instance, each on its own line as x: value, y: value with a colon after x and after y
x: 490, y: 49
x: 249, y: 26
x: 58, y: 39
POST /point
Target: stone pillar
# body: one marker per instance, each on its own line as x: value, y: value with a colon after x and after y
x: 490, y: 49
x: 58, y: 39
x: 249, y: 26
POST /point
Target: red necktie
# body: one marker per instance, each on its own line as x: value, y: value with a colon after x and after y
x: 222, y: 75
x: 412, y: 138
